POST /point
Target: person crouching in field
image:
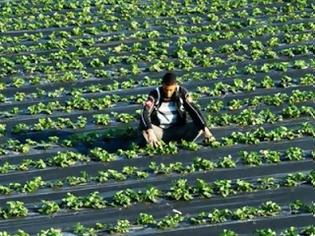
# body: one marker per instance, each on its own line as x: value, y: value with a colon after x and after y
x: 164, y: 115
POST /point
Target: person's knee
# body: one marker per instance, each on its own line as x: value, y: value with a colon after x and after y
x: 191, y: 131
x: 158, y: 131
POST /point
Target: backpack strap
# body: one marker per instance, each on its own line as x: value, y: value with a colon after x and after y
x: 158, y: 96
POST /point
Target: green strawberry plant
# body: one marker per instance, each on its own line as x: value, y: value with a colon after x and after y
x: 244, y: 186
x: 219, y: 215
x: 94, y: 200
x: 50, y: 232
x: 227, y: 232
x: 14, y: 209
x: 265, y: 232
x: 293, y: 180
x: 270, y: 208
x: 102, y: 155
x: 203, y: 188
x: 125, y: 198
x: 226, y: 162
x: 311, y: 178
x: 203, y: 164
x: 191, y: 146
x: 65, y: 159
x: 170, y: 221
x: 33, y: 185
x: 49, y: 207
x: 271, y: 156
x: 294, y: 154
x: 223, y: 187
x: 72, y: 202
x: 180, y: 190
x: 251, y: 158
x: 245, y: 213
x: 267, y: 183
x: 121, y: 227
x: 2, y: 129
x: 152, y: 194
x: 165, y: 149
x: 145, y: 219
x: 76, y: 180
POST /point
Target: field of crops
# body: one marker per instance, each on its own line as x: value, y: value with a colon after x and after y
x: 73, y: 79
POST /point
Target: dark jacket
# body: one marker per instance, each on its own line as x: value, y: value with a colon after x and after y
x: 183, y: 105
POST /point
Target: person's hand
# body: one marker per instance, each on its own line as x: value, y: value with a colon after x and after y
x: 208, y: 135
x: 152, y: 139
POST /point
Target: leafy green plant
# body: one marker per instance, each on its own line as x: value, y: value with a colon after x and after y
x: 294, y: 154
x: 227, y: 232
x: 271, y: 156
x: 267, y: 82
x: 123, y: 117
x: 219, y: 215
x: 292, y: 180
x: 203, y: 164
x: 203, y: 189
x: 310, y: 230
x: 49, y: 207
x: 64, y: 159
x: 244, y: 186
x: 251, y: 158
x: 292, y: 231
x: 145, y: 219
x: 2, y: 129
x: 102, y: 155
x: 94, y: 200
x: 226, y: 162
x: 125, y: 197
x: 165, y: 149
x: 152, y: 194
x: 245, y: 213
x: 170, y: 221
x: 223, y: 187
x: 33, y: 185
x: 76, y: 180
x: 270, y: 208
x: 191, y: 146
x: 267, y: 183
x: 121, y: 227
x: 50, y: 232
x: 265, y: 232
x: 102, y: 119
x: 180, y: 190
x: 14, y: 209
x: 72, y: 202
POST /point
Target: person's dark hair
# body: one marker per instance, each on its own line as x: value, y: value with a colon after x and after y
x: 169, y: 78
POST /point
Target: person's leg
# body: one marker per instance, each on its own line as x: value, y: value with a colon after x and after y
x: 158, y: 131
x: 140, y: 140
x: 188, y: 132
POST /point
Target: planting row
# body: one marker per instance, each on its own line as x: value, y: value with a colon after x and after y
x: 248, y: 137
x: 230, y: 93
x: 181, y: 61
x: 246, y: 117
x: 8, y: 66
x: 267, y: 209
x: 133, y: 172
x: 179, y: 190
x: 96, y: 33
x: 210, y: 88
x: 254, y: 49
x: 105, y: 11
